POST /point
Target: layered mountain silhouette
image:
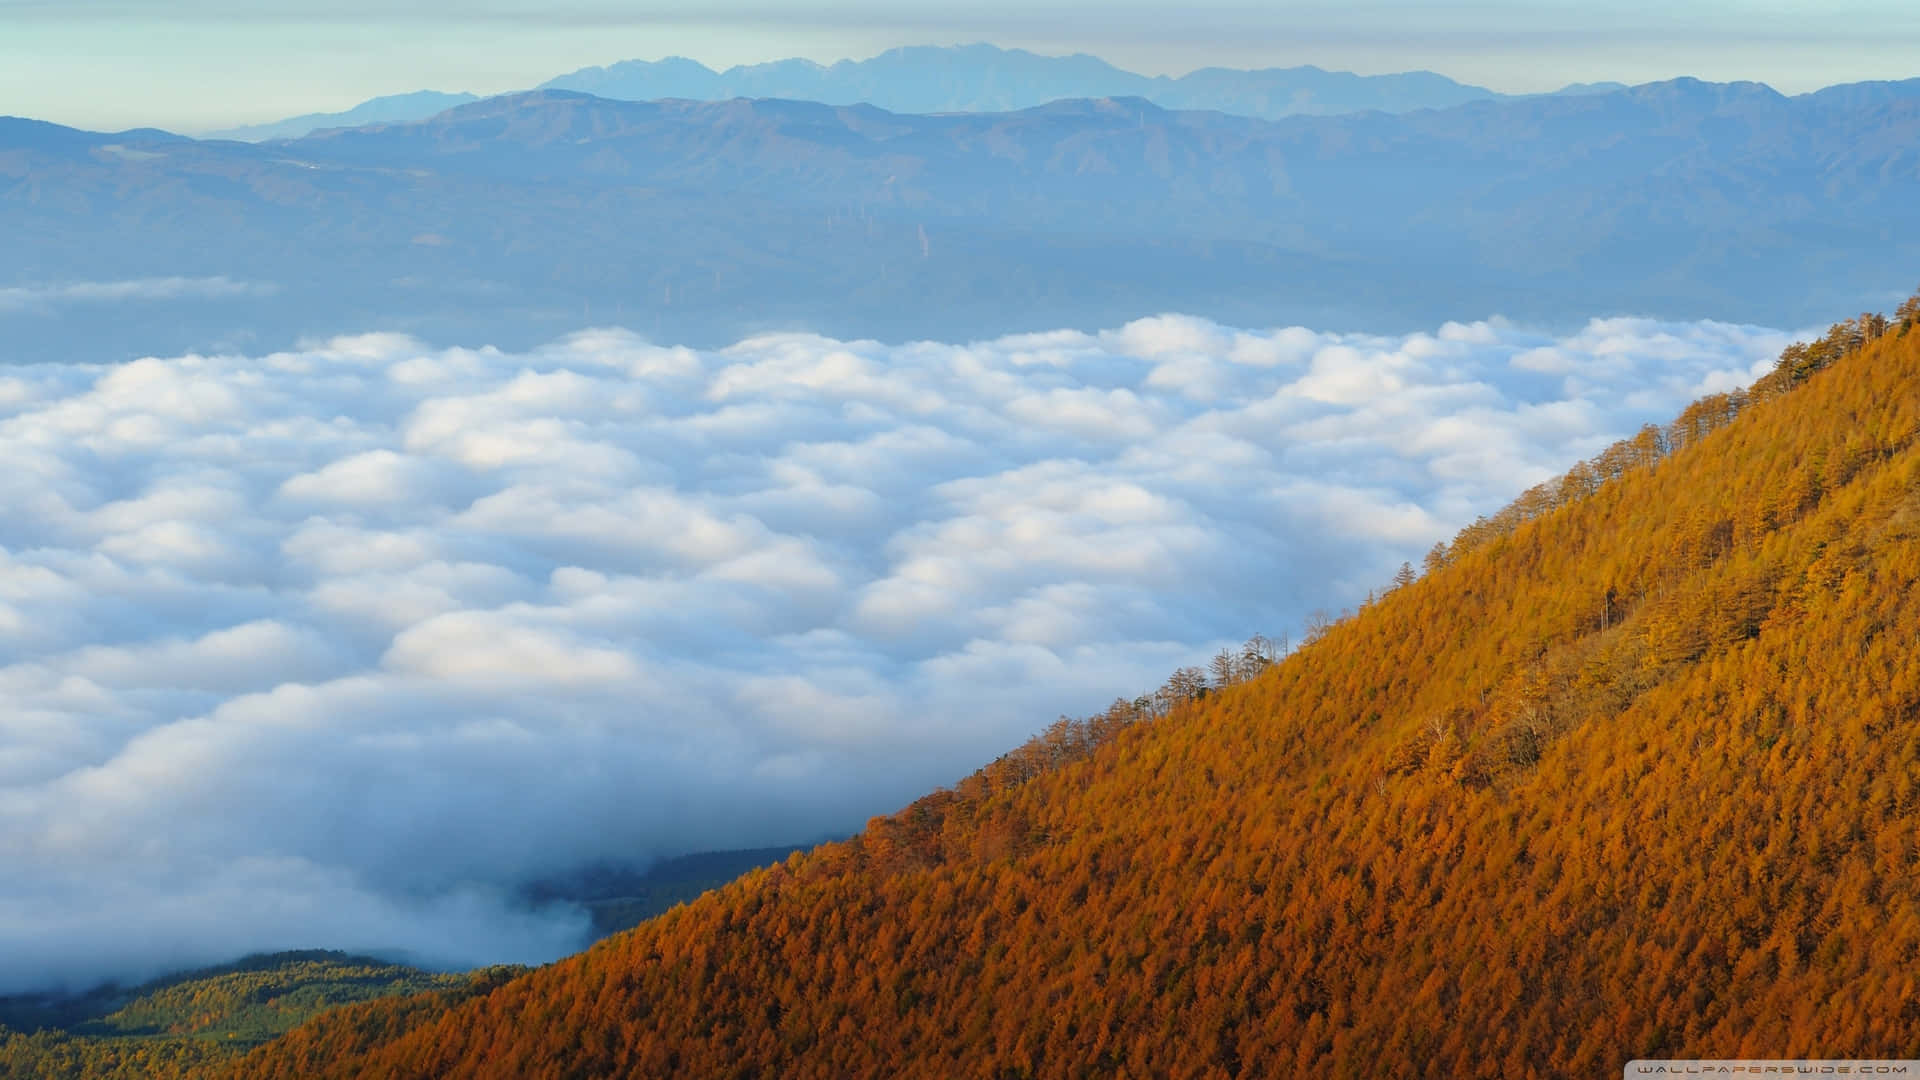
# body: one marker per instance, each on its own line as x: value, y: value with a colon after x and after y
x: 1628, y: 772
x: 964, y: 78
x: 983, y: 78
x: 986, y: 78
x: 511, y: 219
x: 391, y: 109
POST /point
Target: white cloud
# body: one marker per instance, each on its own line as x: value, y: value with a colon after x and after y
x: 334, y: 647
x: 375, y: 477
x: 29, y: 297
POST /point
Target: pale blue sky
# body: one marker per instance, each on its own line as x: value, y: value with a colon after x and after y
x: 192, y: 65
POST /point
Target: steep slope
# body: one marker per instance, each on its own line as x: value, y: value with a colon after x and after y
x: 619, y: 898
x: 1633, y: 770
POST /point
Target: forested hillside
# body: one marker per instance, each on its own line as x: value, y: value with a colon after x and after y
x: 194, y: 1023
x: 1633, y: 769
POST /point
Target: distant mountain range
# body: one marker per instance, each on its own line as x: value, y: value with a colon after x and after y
x: 392, y: 109
x: 514, y: 218
x: 967, y: 78
x: 983, y: 78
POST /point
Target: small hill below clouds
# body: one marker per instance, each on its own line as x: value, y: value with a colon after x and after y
x: 196, y: 1023
x: 1569, y: 798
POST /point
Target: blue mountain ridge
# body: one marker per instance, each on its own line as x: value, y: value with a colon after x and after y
x: 512, y: 219
x: 965, y: 78
x: 393, y: 108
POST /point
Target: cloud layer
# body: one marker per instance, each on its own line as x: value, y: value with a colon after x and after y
x: 45, y: 297
x: 334, y: 647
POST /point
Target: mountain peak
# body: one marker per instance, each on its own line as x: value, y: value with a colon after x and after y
x: 1689, y: 88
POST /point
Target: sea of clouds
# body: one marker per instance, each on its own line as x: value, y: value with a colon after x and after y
x: 337, y: 647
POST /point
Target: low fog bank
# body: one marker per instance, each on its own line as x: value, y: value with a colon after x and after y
x: 336, y: 647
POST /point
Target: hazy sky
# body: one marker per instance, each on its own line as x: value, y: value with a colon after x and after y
x: 197, y: 64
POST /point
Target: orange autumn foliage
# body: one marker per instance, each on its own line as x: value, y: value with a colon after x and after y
x: 1633, y: 770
